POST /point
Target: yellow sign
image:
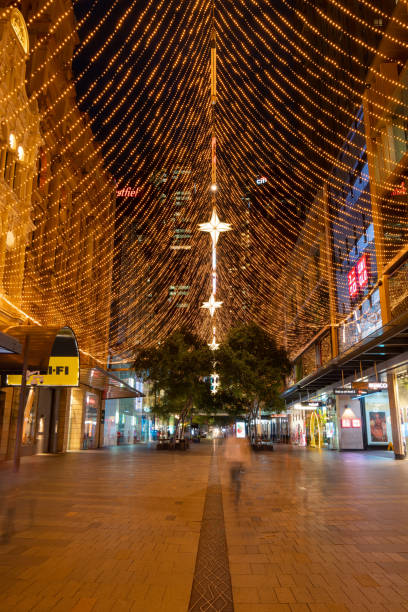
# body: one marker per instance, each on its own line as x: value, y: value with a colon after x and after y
x: 62, y: 372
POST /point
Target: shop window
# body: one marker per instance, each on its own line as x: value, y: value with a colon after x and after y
x: 378, y: 419
x: 398, y: 287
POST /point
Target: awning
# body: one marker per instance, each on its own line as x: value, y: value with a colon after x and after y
x: 44, y: 341
x: 9, y: 345
x: 383, y: 344
x: 110, y: 385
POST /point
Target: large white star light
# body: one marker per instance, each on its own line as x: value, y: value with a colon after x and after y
x: 214, y: 227
x: 212, y: 305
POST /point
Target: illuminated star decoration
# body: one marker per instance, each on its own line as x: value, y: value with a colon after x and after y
x: 212, y: 304
x: 214, y: 227
x: 213, y: 345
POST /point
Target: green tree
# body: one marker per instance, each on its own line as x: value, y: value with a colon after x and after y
x: 251, y: 370
x: 179, y: 370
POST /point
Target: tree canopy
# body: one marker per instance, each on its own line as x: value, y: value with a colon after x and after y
x: 179, y: 371
x: 251, y: 369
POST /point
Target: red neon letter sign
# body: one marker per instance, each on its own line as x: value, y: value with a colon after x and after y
x: 362, y: 271
x: 352, y: 282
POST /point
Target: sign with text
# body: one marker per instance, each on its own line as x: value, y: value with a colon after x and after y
x: 352, y: 282
x: 344, y: 391
x: 62, y: 372
x: 369, y: 386
x: 362, y: 271
x: 357, y: 278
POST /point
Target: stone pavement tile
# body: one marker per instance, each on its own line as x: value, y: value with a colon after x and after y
x: 285, y: 595
x: 320, y: 607
x: 245, y: 568
x: 85, y: 604
x: 110, y: 605
x: 286, y: 580
x: 46, y: 603
x: 302, y: 595
x: 176, y: 591
x: 261, y: 607
x: 249, y: 580
x: 245, y: 595
x: 267, y: 595
x: 27, y: 604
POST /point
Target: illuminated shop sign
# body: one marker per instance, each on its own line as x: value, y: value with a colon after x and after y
x: 240, y: 429
x: 127, y: 192
x: 62, y: 372
x: 352, y: 282
x: 343, y: 391
x: 362, y: 271
x: 311, y: 404
x: 369, y: 386
x: 261, y: 180
x: 357, y: 278
x: 399, y: 189
x: 350, y: 423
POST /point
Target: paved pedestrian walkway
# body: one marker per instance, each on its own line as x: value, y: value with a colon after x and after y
x: 120, y: 530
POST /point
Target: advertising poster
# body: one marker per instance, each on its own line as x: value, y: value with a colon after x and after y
x: 240, y: 429
x: 378, y: 427
x: 378, y: 419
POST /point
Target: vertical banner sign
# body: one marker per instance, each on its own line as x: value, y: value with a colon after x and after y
x: 352, y: 282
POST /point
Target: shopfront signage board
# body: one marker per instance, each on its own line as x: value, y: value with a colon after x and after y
x: 344, y: 391
x: 62, y: 372
x: 369, y: 386
x: 311, y: 404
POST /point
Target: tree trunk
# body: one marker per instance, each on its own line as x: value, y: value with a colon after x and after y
x: 252, y: 420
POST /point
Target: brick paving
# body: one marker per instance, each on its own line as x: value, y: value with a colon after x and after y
x: 119, y: 530
x: 319, y: 530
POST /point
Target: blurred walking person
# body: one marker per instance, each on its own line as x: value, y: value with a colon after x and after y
x: 238, y: 455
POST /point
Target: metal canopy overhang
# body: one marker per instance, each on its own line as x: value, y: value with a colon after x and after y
x: 389, y: 341
x: 111, y: 386
x: 9, y: 345
x: 42, y: 340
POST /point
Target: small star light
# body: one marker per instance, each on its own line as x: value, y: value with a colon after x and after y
x: 212, y: 305
x: 214, y: 226
x: 213, y: 345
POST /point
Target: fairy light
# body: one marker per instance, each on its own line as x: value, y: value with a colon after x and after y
x: 268, y: 62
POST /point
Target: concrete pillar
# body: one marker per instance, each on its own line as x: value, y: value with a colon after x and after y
x: 397, y: 440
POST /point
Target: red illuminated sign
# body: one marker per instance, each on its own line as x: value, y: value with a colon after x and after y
x: 356, y: 423
x: 400, y: 189
x: 362, y: 271
x: 346, y: 423
x: 358, y: 275
x: 127, y: 192
x: 352, y: 282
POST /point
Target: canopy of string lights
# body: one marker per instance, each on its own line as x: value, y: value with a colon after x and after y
x: 269, y: 139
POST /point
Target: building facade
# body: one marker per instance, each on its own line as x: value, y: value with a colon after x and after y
x: 58, y: 202
x: 348, y: 388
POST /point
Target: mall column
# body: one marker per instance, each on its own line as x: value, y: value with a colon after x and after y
x: 397, y: 440
x: 21, y: 407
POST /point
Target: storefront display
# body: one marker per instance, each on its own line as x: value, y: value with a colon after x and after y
x: 91, y: 421
x: 378, y: 419
x: 361, y: 323
x: 402, y: 390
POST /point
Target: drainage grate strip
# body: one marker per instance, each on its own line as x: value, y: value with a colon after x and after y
x: 212, y: 590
